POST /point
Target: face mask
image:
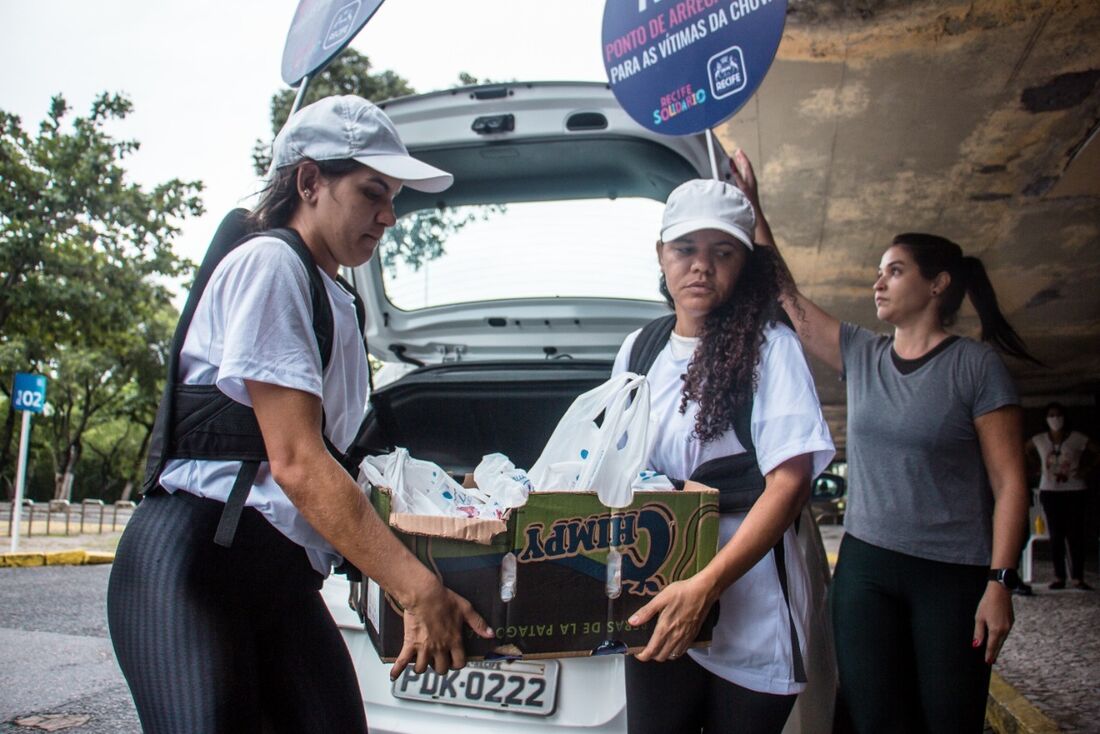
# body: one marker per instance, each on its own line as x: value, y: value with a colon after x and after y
x: 1056, y: 422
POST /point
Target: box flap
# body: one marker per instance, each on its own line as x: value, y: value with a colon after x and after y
x: 455, y: 528
x: 475, y: 530
x: 693, y: 486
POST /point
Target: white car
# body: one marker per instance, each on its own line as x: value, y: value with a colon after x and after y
x: 547, y: 262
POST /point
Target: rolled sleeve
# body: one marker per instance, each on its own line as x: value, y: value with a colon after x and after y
x: 786, y: 418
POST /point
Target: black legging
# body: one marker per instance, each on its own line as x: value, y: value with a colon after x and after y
x: 215, y: 640
x: 904, y: 629
x: 1066, y: 512
x: 681, y: 696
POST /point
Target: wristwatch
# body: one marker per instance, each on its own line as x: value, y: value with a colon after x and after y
x: 1006, y: 576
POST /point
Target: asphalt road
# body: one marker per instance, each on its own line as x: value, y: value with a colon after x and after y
x: 55, y: 655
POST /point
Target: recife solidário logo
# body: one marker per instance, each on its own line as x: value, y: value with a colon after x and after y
x: 726, y: 71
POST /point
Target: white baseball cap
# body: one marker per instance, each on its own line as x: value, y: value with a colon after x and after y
x: 705, y: 203
x: 347, y: 127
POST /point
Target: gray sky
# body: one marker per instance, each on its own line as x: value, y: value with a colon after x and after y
x: 201, y: 72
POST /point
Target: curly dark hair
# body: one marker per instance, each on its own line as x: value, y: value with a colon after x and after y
x: 723, y: 373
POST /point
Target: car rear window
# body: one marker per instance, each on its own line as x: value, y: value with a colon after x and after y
x: 602, y: 248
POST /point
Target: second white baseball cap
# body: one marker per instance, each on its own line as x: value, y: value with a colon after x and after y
x: 704, y: 203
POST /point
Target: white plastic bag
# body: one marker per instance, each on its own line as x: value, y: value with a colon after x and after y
x: 420, y: 487
x: 649, y: 481
x: 502, y: 485
x: 605, y: 456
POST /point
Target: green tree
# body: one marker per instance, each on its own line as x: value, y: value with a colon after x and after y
x: 86, y: 262
x: 104, y: 396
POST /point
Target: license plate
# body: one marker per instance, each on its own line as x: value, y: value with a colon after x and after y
x: 520, y: 686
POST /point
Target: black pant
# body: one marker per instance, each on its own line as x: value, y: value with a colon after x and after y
x: 682, y: 696
x: 904, y: 628
x: 214, y: 639
x: 1066, y: 513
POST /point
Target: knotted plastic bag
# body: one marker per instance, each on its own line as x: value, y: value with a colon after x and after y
x: 503, y: 485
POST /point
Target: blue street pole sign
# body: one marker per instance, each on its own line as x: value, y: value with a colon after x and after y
x: 320, y: 30
x: 29, y: 392
x: 679, y: 67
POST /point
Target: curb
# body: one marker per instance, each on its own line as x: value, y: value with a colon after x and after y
x: 54, y: 558
x: 1008, y: 712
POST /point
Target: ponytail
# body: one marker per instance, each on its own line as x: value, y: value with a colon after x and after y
x: 278, y: 200
x: 995, y: 328
x: 935, y: 255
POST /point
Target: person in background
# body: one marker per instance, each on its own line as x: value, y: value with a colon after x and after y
x: 228, y: 633
x: 937, y: 498
x: 728, y: 386
x: 1065, y: 459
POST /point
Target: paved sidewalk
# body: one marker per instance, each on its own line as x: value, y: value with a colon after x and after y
x: 1045, y: 680
x: 97, y: 542
x: 1052, y: 656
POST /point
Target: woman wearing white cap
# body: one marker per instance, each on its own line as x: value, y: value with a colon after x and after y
x: 937, y: 499
x: 215, y: 612
x: 736, y: 409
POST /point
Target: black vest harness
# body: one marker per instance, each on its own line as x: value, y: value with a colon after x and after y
x: 737, y: 478
x: 200, y: 421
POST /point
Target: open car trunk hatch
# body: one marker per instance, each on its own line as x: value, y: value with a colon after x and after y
x: 453, y: 414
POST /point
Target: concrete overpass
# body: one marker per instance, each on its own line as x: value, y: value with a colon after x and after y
x: 974, y: 120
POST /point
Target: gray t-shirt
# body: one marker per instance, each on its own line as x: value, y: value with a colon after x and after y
x: 916, y: 480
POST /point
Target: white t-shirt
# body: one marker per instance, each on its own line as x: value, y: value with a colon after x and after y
x: 1061, y: 461
x: 254, y: 322
x: 751, y: 644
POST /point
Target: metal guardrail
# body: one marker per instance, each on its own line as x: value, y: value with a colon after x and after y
x: 46, y: 518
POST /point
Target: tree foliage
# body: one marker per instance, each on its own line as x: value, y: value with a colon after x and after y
x: 86, y: 264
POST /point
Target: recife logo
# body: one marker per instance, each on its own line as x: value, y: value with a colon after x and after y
x: 726, y: 70
x: 343, y: 24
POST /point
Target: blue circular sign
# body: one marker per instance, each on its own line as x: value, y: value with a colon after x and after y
x: 320, y: 30
x: 682, y: 66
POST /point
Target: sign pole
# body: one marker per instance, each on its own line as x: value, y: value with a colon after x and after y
x: 710, y: 154
x: 28, y: 395
x: 293, y: 108
x: 299, y: 96
x: 20, y: 479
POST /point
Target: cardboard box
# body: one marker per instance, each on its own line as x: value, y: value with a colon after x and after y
x: 561, y: 542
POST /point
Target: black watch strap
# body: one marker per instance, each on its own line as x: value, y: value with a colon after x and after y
x: 1006, y: 576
